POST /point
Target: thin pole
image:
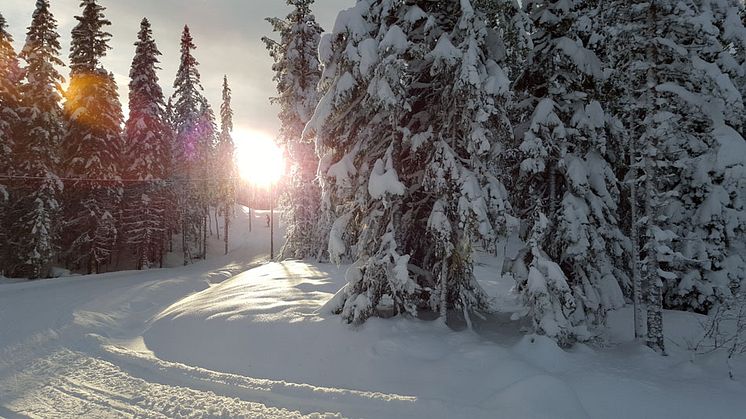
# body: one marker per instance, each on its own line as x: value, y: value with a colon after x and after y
x: 271, y: 223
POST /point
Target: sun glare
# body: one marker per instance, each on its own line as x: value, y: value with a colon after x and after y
x: 258, y: 158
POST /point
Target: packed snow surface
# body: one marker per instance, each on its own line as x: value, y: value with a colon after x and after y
x: 216, y: 340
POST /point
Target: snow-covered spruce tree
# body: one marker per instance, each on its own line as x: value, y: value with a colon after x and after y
x: 407, y: 128
x: 565, y: 182
x: 206, y: 133
x: 92, y: 146
x: 226, y: 193
x: 297, y: 73
x: 10, y: 77
x: 172, y: 214
x: 710, y: 219
x: 686, y: 158
x: 188, y: 156
x: 35, y: 207
x: 357, y: 124
x: 458, y: 126
x: 148, y: 153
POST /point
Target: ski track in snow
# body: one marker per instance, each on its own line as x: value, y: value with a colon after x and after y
x: 68, y: 383
x: 60, y: 363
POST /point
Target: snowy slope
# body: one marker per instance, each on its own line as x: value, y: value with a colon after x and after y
x: 201, y: 341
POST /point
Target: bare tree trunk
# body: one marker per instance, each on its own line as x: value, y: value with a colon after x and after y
x: 639, y: 313
x: 444, y: 291
x: 184, y: 244
x: 652, y: 277
x: 217, y: 221
x: 225, y: 233
x: 204, y: 234
x: 209, y: 219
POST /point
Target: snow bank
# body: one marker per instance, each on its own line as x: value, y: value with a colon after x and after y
x: 269, y: 323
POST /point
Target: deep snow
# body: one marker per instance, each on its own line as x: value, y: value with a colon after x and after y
x: 209, y: 341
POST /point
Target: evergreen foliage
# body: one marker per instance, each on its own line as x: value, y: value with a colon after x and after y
x: 565, y: 177
x: 684, y: 154
x: 226, y: 193
x: 148, y: 155
x: 297, y: 73
x: 92, y: 147
x: 10, y: 111
x: 194, y: 129
x: 35, y: 209
x: 408, y: 127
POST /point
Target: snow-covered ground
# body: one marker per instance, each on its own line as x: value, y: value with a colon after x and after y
x: 216, y: 340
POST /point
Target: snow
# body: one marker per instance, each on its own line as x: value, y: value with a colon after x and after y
x: 384, y: 180
x: 395, y: 39
x: 217, y: 340
x: 583, y: 58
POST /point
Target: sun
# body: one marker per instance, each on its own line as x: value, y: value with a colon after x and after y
x: 258, y: 158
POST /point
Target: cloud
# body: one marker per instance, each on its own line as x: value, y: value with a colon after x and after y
x: 227, y: 34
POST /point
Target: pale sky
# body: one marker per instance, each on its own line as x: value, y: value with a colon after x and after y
x: 227, y: 34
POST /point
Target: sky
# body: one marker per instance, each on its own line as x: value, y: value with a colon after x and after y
x: 227, y: 34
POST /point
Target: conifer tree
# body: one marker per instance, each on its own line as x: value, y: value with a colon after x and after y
x: 92, y: 147
x: 205, y: 188
x: 297, y: 74
x: 190, y: 114
x: 225, y: 162
x: 35, y: 205
x: 10, y: 77
x: 566, y: 186
x: 685, y: 155
x: 148, y: 154
x: 409, y: 124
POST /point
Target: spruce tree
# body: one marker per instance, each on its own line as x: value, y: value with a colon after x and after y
x: 92, y: 147
x: 148, y: 153
x: 410, y: 123
x: 191, y: 119
x: 207, y: 172
x: 225, y: 162
x: 10, y: 77
x: 685, y: 155
x: 297, y: 73
x: 566, y: 185
x: 35, y: 208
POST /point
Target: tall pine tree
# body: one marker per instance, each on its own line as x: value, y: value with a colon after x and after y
x: 92, y: 147
x: 148, y: 153
x: 297, y: 73
x: 36, y: 205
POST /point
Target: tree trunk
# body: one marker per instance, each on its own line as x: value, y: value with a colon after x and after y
x: 652, y: 277
x: 444, y: 291
x: 639, y: 313
x: 217, y: 221
x: 204, y: 234
x: 225, y: 233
